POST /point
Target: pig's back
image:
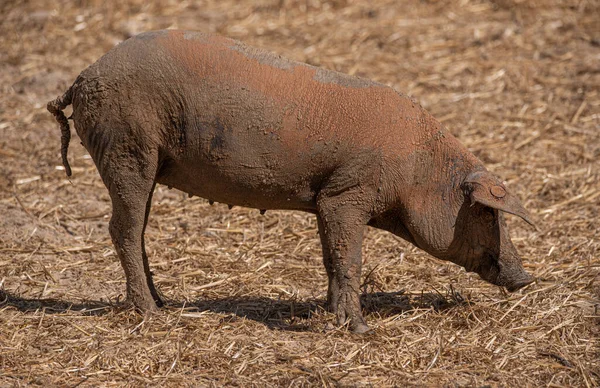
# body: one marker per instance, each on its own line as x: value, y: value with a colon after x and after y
x: 249, y: 119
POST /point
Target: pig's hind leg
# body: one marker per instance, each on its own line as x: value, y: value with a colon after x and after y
x: 129, y: 173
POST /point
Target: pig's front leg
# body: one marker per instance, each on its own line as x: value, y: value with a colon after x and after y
x: 343, y: 222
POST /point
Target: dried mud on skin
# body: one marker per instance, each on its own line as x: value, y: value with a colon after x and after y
x: 518, y: 82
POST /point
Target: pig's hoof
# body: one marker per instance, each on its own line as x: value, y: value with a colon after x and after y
x: 331, y: 307
x: 150, y: 308
x: 361, y: 328
x: 329, y: 327
x: 357, y: 324
x: 145, y: 305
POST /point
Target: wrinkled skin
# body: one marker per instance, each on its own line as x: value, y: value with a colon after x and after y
x: 227, y: 122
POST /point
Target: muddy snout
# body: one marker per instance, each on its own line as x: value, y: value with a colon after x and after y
x: 521, y: 282
x: 513, y: 277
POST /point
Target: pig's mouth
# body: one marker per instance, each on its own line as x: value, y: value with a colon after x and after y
x: 528, y: 279
x: 513, y: 277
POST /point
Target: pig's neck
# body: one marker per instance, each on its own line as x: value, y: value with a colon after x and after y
x: 438, y: 164
x: 423, y: 189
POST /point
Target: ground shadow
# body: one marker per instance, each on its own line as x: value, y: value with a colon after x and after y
x: 289, y: 315
x: 292, y: 315
x: 53, y: 306
x: 386, y: 304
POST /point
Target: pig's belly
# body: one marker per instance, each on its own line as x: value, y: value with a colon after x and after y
x: 245, y: 183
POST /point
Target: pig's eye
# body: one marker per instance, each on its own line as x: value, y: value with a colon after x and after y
x: 489, y: 214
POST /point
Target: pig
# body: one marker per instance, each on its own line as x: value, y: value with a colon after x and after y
x: 218, y: 119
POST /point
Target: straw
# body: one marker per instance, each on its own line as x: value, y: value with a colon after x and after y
x: 516, y: 81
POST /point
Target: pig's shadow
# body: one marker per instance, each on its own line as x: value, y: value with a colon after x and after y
x: 289, y: 315
x: 294, y: 315
x: 50, y: 305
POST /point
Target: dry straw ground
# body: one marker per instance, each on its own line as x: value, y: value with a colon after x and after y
x: 517, y: 81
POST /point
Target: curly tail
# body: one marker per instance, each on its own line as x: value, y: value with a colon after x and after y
x: 56, y: 108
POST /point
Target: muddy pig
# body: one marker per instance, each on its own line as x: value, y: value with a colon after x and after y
x: 218, y: 119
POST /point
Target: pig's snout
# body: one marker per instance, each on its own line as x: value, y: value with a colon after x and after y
x: 520, y: 281
x: 513, y: 277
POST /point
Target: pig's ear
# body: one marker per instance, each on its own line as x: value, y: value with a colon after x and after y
x: 483, y: 187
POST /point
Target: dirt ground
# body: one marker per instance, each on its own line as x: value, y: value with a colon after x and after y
x: 517, y: 81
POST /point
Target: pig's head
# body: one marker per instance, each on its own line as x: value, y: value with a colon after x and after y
x: 467, y: 228
x: 481, y: 240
